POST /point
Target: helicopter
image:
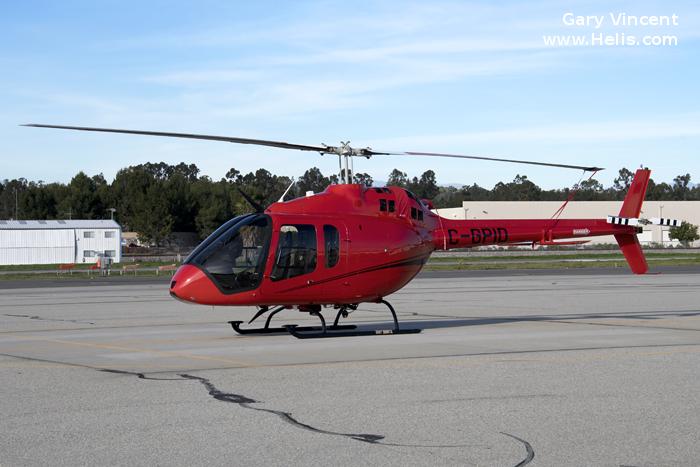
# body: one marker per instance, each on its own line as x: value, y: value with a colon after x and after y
x: 353, y: 244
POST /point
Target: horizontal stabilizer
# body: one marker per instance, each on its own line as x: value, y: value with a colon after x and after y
x: 664, y: 221
x: 617, y: 220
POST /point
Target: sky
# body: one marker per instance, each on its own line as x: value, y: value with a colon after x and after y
x: 472, y: 78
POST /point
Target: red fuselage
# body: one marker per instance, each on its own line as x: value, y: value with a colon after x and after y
x: 347, y: 245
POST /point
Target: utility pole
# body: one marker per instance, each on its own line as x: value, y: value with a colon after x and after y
x: 661, y: 227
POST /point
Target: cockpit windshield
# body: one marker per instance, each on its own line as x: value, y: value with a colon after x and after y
x: 235, y: 258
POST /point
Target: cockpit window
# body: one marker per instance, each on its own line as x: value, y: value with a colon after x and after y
x: 235, y: 259
x: 296, y: 252
x: 216, y: 234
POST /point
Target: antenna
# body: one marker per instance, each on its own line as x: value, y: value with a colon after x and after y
x: 251, y: 201
x: 286, y: 191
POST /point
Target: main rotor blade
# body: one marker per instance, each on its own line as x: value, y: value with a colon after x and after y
x: 343, y: 150
x: 229, y: 139
x: 498, y: 159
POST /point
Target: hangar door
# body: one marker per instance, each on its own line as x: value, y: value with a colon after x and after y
x: 37, y: 246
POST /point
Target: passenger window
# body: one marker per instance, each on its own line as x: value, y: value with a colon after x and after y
x: 332, y: 244
x: 420, y: 214
x: 296, y: 252
x: 414, y: 213
x: 392, y: 205
x: 382, y: 205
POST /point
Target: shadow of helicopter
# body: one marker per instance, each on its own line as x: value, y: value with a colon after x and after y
x: 444, y: 321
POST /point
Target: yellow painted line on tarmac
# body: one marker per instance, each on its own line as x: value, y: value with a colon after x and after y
x: 162, y: 353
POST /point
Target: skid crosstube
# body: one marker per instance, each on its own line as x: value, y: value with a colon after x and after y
x: 331, y: 331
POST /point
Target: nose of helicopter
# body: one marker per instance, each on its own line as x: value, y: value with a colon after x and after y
x: 190, y: 284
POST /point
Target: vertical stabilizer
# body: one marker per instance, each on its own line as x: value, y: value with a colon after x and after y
x: 631, y: 207
x: 629, y: 244
x: 632, y: 204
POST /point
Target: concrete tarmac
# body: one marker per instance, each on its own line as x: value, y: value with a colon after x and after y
x: 511, y: 369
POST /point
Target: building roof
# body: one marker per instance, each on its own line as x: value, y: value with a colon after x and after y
x: 58, y: 224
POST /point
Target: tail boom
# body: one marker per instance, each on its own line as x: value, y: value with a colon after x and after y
x: 471, y: 233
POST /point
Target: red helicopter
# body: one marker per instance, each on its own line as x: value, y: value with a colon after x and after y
x: 351, y: 244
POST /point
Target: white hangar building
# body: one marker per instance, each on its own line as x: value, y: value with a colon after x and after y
x: 59, y: 242
x: 688, y: 211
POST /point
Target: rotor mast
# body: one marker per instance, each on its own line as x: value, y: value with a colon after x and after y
x: 345, y: 154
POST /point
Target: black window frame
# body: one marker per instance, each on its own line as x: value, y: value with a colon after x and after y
x: 331, y: 242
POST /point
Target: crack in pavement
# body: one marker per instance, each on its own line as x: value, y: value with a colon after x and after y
x: 528, y: 448
x: 39, y: 318
x: 139, y: 375
x: 246, y: 402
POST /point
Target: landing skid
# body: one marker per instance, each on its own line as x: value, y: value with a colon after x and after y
x: 323, y: 331
x: 284, y: 329
x: 236, y: 325
x: 332, y: 331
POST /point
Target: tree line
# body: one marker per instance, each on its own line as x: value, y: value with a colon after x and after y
x: 156, y: 199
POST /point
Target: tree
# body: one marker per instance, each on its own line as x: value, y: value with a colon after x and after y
x: 129, y: 190
x: 425, y: 187
x: 686, y: 233
x: 312, y: 180
x: 264, y: 187
x: 363, y: 179
x: 183, y: 205
x: 681, y: 187
x: 156, y: 223
x: 623, y: 182
x: 189, y: 171
x: 83, y: 200
x: 448, y: 197
x: 12, y: 197
x: 590, y: 190
x: 475, y: 193
x: 520, y: 189
x: 213, y: 205
x: 397, y: 178
x: 38, y: 202
x: 233, y: 175
x: 659, y: 191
